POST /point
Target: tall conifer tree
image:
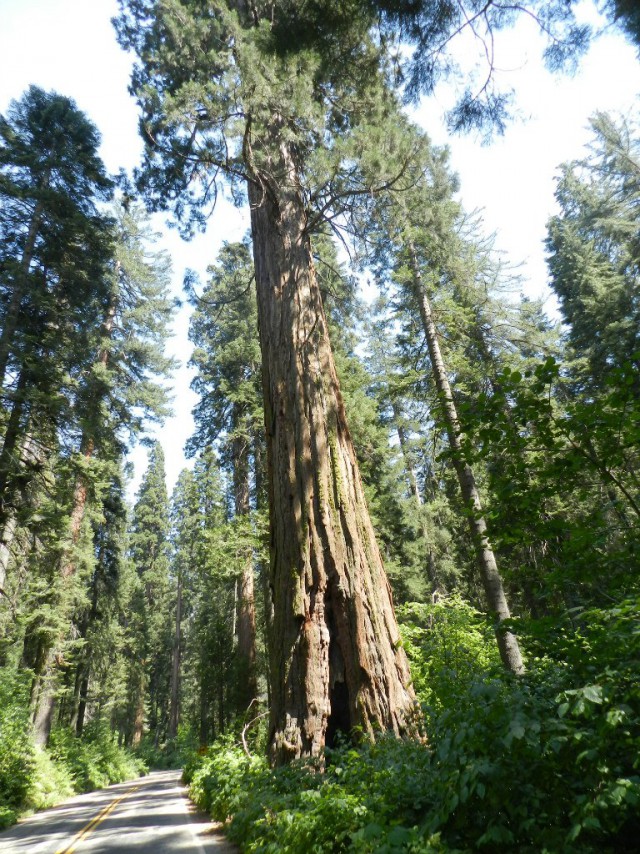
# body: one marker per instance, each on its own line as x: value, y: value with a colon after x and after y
x: 151, y: 623
x: 257, y: 110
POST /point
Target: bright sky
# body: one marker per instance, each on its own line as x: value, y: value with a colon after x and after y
x: 69, y: 46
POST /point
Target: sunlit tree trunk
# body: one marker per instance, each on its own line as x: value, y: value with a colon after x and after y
x: 138, y: 715
x: 336, y: 658
x: 6, y: 541
x: 485, y: 557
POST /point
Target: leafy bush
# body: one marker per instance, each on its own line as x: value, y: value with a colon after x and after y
x: 17, y: 754
x: 171, y: 754
x: 449, y: 644
x: 95, y: 760
x: 32, y: 778
x: 52, y: 782
x: 217, y: 781
x: 548, y: 762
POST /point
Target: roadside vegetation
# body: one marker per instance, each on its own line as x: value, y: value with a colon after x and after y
x: 545, y: 762
x: 393, y: 604
x: 34, y: 778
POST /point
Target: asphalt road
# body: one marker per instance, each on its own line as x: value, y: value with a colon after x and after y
x: 151, y: 815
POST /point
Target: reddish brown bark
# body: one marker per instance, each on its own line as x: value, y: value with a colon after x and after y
x: 45, y: 696
x: 138, y: 719
x: 335, y: 654
x: 80, y: 490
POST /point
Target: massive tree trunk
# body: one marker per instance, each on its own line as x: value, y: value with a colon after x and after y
x: 335, y: 654
x: 30, y: 455
x: 44, y: 703
x: 485, y: 557
x: 246, y: 624
x: 79, y: 505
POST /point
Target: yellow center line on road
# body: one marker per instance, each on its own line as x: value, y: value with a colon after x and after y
x: 95, y: 821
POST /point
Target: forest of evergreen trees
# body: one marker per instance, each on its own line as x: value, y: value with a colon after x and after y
x: 393, y: 605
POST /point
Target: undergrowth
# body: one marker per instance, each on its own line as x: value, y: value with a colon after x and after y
x: 545, y: 763
x: 171, y: 754
x: 32, y: 778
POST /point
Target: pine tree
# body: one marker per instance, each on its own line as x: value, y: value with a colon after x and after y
x: 50, y: 168
x: 150, y: 631
x: 594, y: 252
x: 417, y: 238
x: 186, y: 534
x: 121, y: 392
x: 209, y: 646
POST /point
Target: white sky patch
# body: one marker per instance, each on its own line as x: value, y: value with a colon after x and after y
x: 70, y: 46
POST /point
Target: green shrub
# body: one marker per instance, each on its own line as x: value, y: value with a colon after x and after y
x: 449, y: 644
x: 544, y: 763
x: 17, y: 754
x: 95, y: 760
x: 7, y: 817
x: 217, y: 784
x: 52, y: 783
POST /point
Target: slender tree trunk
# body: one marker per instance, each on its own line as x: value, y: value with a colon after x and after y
x: 406, y: 454
x: 221, y: 707
x: 491, y: 579
x: 336, y: 658
x: 6, y: 541
x: 20, y: 284
x: 174, y: 711
x: 83, y: 696
x: 204, y: 716
x: 432, y: 572
x: 138, y: 717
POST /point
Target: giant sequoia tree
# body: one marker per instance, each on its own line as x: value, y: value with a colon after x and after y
x: 221, y: 89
